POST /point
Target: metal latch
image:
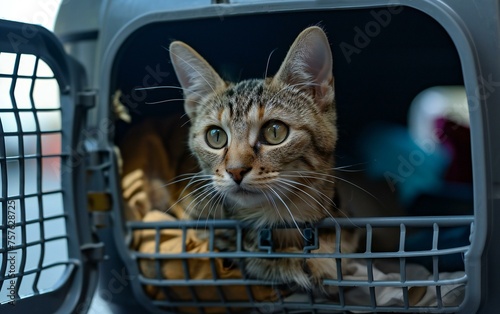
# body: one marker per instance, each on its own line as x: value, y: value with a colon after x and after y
x: 99, y: 201
x: 311, y: 242
x: 266, y: 240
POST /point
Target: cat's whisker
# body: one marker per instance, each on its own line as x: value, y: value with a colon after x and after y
x: 345, y: 168
x: 197, y: 178
x: 279, y: 187
x: 268, y: 60
x: 187, y: 176
x: 200, y: 198
x: 157, y: 87
x: 286, y: 186
x: 170, y: 183
x: 198, y: 193
x: 187, y: 122
x: 214, y: 203
x: 328, y: 199
x: 163, y: 101
x: 187, y: 195
x: 223, y: 202
x: 289, y: 211
x: 166, y: 100
x: 218, y: 204
x: 273, y: 204
x: 194, y: 180
x: 208, y: 194
x: 311, y: 174
x: 293, y: 184
x: 155, y: 188
x: 356, y: 186
x: 309, y: 184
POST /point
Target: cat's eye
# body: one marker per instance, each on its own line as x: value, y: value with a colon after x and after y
x: 274, y: 132
x: 216, y: 137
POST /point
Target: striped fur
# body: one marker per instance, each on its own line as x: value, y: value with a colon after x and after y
x: 291, y: 182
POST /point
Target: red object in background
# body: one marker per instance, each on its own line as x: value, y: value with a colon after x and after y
x: 456, y: 140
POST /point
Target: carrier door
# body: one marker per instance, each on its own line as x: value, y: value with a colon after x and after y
x: 47, y: 256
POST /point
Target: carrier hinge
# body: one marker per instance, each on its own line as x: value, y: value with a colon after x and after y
x: 87, y: 98
x: 94, y: 252
x: 99, y: 198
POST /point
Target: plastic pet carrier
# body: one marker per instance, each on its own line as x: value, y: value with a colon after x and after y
x: 416, y: 84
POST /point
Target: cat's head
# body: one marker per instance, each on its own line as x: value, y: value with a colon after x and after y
x: 265, y: 142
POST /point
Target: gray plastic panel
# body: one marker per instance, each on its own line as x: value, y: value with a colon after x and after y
x: 473, y: 30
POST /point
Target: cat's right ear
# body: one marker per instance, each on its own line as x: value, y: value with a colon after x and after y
x: 198, y: 79
x: 308, y: 66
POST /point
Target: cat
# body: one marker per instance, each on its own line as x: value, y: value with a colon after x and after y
x: 266, y: 150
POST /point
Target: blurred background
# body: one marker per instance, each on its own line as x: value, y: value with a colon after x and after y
x: 41, y: 12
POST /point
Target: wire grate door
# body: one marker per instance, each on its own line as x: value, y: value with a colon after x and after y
x: 34, y: 250
x: 412, y: 290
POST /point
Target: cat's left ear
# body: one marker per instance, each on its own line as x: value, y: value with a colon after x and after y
x: 198, y: 79
x: 308, y: 65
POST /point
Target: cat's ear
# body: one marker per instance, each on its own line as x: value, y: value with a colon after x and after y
x: 308, y: 65
x: 198, y: 79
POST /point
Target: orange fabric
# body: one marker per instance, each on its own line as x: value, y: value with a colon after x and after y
x: 199, y: 268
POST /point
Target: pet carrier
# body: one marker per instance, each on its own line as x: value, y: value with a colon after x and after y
x: 400, y: 68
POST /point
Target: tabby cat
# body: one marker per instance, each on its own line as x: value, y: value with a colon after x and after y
x: 266, y: 152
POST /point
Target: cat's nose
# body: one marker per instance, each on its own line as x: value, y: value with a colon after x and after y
x: 238, y: 173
